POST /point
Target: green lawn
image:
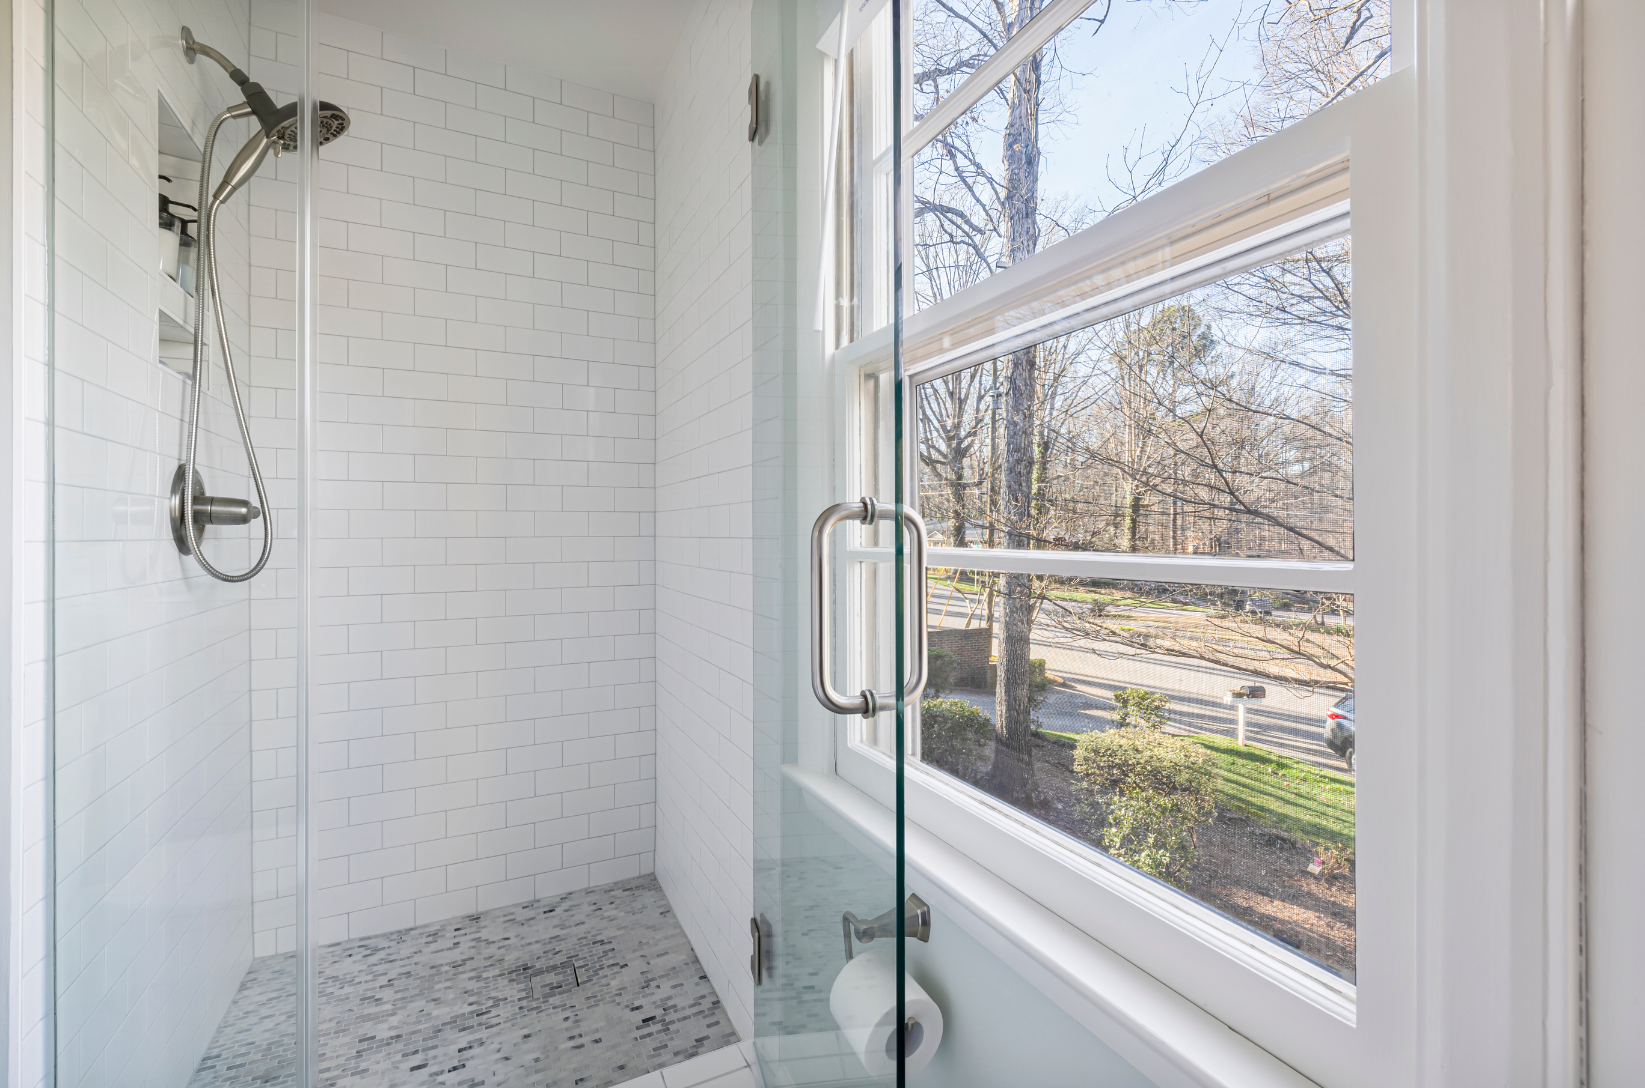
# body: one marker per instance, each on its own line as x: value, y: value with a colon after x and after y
x: 1286, y: 794
x: 1300, y: 799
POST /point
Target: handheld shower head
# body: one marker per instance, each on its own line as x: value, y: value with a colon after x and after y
x: 331, y: 121
x: 280, y: 136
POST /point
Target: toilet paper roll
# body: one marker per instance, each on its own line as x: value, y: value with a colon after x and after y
x: 864, y: 1004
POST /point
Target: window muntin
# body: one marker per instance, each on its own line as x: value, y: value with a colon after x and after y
x: 1219, y: 422
x: 1132, y: 743
x: 1120, y: 104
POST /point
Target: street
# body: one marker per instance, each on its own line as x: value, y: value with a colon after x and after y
x: 1287, y: 721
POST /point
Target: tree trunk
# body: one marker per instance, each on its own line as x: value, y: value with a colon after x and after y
x: 1133, y: 515
x: 1012, y: 777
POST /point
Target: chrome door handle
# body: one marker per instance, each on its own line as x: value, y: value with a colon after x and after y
x: 869, y: 702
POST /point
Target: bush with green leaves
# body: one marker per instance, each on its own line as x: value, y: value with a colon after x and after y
x: 1154, y: 791
x: 1155, y: 832
x: 954, y: 737
x: 1139, y: 706
x: 939, y: 676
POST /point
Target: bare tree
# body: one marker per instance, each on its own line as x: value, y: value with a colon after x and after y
x: 1229, y: 409
x: 953, y: 421
x: 1310, y: 54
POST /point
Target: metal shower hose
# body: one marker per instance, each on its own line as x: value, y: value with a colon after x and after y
x: 207, y: 289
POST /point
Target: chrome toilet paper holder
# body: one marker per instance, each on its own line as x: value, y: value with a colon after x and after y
x: 916, y: 914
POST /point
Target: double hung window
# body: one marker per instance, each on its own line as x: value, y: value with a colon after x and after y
x: 1156, y: 331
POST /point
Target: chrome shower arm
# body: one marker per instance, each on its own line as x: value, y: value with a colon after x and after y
x: 191, y: 48
x: 261, y: 104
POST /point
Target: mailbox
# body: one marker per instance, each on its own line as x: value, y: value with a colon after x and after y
x: 1239, y: 697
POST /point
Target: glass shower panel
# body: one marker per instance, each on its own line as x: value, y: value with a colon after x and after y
x: 172, y: 736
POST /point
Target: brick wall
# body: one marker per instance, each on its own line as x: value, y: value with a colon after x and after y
x: 971, y: 647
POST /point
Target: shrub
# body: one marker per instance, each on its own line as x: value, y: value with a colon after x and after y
x: 1154, y: 832
x: 1157, y: 789
x: 1139, y: 706
x: 1145, y: 760
x: 954, y: 736
x: 940, y: 665
x: 1039, y: 686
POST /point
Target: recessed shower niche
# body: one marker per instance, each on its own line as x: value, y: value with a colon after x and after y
x: 175, y: 295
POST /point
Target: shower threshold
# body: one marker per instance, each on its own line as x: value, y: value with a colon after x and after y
x: 589, y: 989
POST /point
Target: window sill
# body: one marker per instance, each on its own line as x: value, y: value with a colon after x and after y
x: 1165, y: 1036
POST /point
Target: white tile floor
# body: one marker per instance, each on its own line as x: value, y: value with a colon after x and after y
x: 727, y: 1067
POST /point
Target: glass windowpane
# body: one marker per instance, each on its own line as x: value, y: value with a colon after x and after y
x: 1124, y: 101
x: 1218, y: 422
x: 1130, y: 739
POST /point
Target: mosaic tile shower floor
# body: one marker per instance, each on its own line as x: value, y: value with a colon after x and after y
x: 584, y: 990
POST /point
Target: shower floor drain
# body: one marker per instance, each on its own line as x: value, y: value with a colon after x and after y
x: 554, y: 979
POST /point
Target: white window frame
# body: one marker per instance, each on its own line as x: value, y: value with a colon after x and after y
x: 1334, y: 1032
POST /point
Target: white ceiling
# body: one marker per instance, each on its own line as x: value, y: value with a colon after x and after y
x: 620, y: 46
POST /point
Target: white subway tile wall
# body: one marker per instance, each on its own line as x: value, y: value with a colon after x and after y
x: 705, y: 497
x: 483, y: 710
x: 154, y: 917
x: 486, y: 718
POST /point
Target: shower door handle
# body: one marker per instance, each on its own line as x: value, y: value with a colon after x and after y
x: 869, y: 702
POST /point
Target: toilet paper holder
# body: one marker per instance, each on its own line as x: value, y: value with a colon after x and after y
x: 916, y: 914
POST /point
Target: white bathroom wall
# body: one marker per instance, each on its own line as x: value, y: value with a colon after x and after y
x: 705, y: 496
x: 483, y: 716
x: 152, y: 656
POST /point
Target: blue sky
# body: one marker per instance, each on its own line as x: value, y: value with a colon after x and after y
x: 1123, y: 78
x: 1133, y: 69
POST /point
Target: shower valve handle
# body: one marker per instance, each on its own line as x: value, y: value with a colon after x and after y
x: 207, y: 510
x: 218, y: 510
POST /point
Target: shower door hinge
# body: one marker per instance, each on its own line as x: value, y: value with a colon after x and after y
x: 759, y: 930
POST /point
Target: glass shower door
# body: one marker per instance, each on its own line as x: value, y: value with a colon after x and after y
x: 170, y: 722
x: 831, y: 646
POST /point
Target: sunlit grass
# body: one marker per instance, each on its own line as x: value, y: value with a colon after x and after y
x: 1289, y: 795
x: 1283, y: 793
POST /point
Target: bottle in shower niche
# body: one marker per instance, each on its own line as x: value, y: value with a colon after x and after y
x: 187, y: 261
x: 168, y: 235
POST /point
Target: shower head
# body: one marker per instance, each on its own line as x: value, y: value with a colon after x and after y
x: 279, y: 135
x: 331, y: 122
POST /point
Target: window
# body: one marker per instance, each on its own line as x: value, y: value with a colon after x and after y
x: 1137, y: 441
x: 1030, y: 121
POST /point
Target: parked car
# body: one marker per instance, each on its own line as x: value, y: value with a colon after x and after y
x: 1259, y: 606
x: 1339, y: 729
